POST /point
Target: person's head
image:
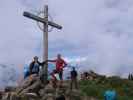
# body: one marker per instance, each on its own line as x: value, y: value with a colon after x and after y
x: 59, y: 56
x: 73, y: 68
x: 35, y: 58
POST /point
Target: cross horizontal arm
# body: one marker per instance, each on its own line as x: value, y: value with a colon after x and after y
x: 39, y: 19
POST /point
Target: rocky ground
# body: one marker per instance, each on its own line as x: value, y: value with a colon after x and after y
x: 33, y: 89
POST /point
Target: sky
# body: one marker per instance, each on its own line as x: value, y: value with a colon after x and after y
x: 96, y: 35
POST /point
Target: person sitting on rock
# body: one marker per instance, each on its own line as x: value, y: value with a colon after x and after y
x: 74, y: 75
x: 60, y: 64
x: 34, y: 67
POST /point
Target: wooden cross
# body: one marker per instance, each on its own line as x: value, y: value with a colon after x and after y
x: 46, y: 23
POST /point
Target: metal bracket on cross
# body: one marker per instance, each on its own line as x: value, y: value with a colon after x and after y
x: 40, y: 25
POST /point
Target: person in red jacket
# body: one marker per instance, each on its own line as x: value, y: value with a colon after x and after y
x: 60, y: 64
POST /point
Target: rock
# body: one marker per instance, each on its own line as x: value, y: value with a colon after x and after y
x: 29, y: 96
x: 1, y: 94
x: 48, y: 93
x: 91, y: 75
x: 32, y: 95
x: 10, y: 96
x: 10, y: 89
x: 14, y: 96
x: 49, y: 96
x: 28, y: 90
x: 32, y: 84
x: 61, y: 90
x: 75, y: 95
x: 6, y: 96
x: 49, y: 89
x: 35, y: 87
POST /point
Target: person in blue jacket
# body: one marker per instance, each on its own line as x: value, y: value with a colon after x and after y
x: 34, y: 67
x: 110, y: 95
x: 26, y: 71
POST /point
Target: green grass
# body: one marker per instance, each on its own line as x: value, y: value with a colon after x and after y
x: 96, y: 88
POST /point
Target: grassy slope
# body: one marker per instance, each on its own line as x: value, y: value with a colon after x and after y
x: 96, y: 88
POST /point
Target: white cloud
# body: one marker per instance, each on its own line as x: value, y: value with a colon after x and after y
x: 98, y: 30
x: 19, y: 36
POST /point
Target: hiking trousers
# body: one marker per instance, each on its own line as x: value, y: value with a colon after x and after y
x: 74, y: 83
x: 60, y: 75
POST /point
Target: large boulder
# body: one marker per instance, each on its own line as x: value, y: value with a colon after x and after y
x: 32, y: 84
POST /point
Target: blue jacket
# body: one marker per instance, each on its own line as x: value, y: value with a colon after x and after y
x: 110, y: 95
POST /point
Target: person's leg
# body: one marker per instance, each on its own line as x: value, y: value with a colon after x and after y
x: 76, y: 83
x: 55, y: 83
x: 71, y: 84
x: 61, y: 75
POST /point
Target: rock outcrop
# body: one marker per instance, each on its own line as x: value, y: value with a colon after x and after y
x: 33, y: 89
x: 91, y: 75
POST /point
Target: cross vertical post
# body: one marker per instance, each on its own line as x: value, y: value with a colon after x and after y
x: 45, y: 43
x: 46, y: 23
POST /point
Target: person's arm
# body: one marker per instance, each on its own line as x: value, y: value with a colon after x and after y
x: 65, y: 64
x: 43, y: 63
x: 51, y: 60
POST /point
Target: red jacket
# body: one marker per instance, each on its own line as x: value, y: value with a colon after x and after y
x: 60, y: 64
